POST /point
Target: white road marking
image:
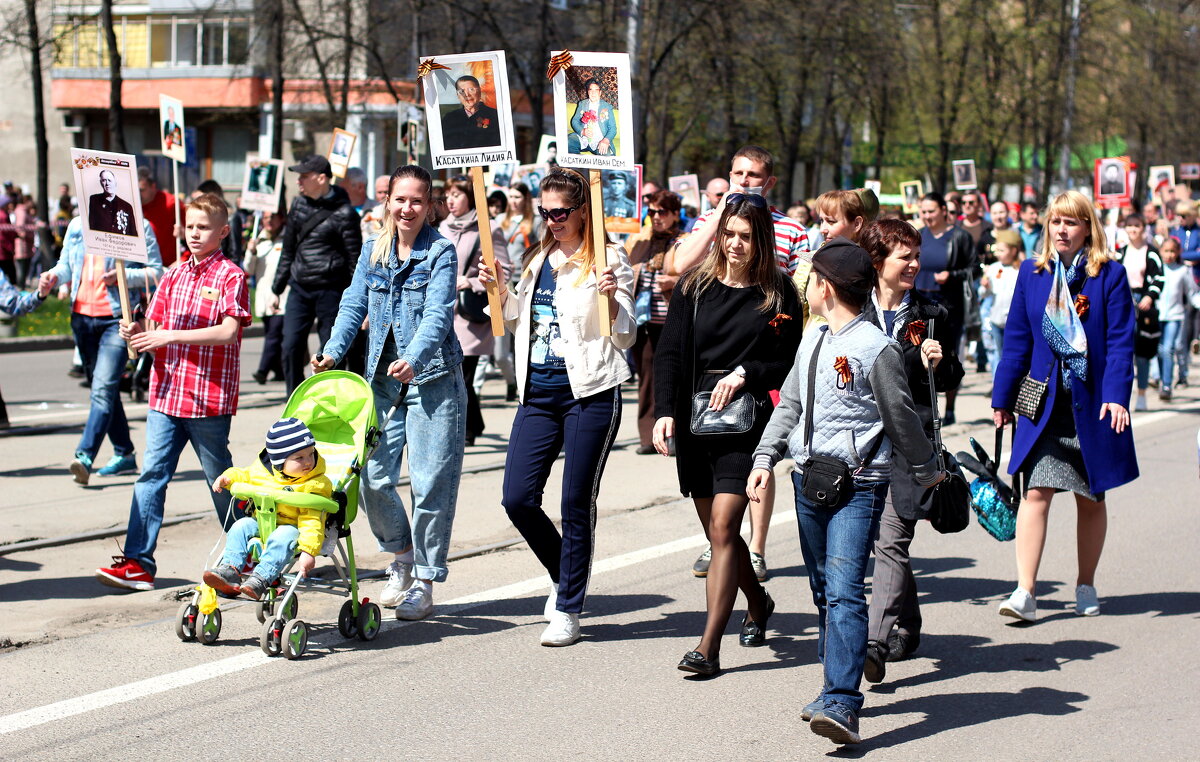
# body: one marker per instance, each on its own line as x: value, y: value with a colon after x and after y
x: 183, y: 678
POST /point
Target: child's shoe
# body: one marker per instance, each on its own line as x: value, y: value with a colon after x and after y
x: 254, y: 587
x: 224, y: 579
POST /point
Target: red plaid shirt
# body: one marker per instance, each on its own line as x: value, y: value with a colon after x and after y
x: 192, y: 381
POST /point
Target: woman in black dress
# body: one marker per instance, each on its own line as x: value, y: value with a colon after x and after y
x: 732, y: 328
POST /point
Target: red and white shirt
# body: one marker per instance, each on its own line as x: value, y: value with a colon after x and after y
x: 188, y: 380
x: 791, y: 241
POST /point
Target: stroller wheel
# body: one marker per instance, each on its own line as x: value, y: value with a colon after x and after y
x: 271, y: 640
x: 295, y: 639
x: 185, y: 621
x: 347, y: 621
x: 368, y: 621
x: 210, y: 627
x: 288, y: 612
x: 263, y: 611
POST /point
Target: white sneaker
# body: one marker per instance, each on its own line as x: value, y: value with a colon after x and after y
x: 417, y: 604
x: 1020, y: 605
x: 563, y: 629
x: 399, y: 580
x: 1087, y: 603
x: 551, y: 603
x: 1140, y: 405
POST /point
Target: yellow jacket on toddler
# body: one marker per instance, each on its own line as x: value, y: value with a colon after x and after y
x: 310, y: 523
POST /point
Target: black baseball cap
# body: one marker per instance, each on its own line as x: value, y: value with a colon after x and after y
x: 314, y: 163
x: 847, y: 264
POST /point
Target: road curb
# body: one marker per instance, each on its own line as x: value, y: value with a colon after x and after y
x: 67, y: 341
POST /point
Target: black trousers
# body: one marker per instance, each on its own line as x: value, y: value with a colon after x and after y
x: 474, y: 413
x: 272, y: 354
x: 303, y: 307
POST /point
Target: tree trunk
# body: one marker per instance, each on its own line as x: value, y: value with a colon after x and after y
x: 42, y: 192
x: 116, y: 114
x: 277, y: 18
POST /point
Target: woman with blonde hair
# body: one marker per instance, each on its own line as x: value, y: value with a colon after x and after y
x: 569, y: 377
x: 405, y: 282
x: 1066, y: 372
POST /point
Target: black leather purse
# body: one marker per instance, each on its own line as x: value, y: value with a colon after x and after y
x: 949, y: 500
x: 471, y: 304
x: 825, y: 481
x: 737, y: 417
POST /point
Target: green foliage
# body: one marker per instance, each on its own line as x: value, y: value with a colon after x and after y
x: 53, y: 318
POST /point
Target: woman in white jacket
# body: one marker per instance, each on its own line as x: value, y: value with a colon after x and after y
x: 569, y: 378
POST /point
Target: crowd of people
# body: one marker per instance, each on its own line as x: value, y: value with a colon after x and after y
x: 755, y: 336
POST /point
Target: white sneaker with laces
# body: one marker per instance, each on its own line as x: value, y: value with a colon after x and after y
x: 1087, y: 603
x: 417, y: 604
x: 399, y: 580
x: 563, y: 629
x: 551, y: 603
x: 1020, y: 605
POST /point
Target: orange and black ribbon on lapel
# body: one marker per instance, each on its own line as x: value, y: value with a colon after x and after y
x: 1082, y: 305
x: 842, y: 366
x: 915, y: 332
x: 778, y: 321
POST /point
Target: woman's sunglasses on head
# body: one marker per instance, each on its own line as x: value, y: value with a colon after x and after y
x: 754, y: 200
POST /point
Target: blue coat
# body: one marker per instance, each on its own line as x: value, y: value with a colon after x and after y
x: 1109, y: 325
x: 604, y: 112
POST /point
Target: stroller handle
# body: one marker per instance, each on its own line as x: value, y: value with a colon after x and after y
x: 307, y: 500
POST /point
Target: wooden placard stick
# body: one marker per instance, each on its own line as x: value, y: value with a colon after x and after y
x: 485, y: 247
x: 126, y: 313
x: 175, y: 189
x: 599, y: 245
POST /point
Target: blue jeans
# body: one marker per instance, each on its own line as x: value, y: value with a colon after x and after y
x: 836, y: 544
x: 995, y: 346
x: 1167, y: 350
x: 280, y: 547
x: 166, y: 436
x: 553, y: 421
x: 432, y: 422
x: 104, y: 357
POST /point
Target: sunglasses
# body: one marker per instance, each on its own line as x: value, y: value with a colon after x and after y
x: 756, y: 201
x: 656, y: 212
x: 557, y: 215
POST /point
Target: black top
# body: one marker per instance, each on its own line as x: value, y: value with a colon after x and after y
x: 325, y: 257
x: 729, y: 331
x: 480, y: 130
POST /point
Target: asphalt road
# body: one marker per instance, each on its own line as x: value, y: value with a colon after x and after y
x: 91, y: 674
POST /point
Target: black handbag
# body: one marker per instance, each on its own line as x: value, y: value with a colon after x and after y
x: 1148, y: 336
x: 949, y: 500
x: 737, y: 417
x: 471, y: 304
x: 825, y: 481
x: 1031, y: 397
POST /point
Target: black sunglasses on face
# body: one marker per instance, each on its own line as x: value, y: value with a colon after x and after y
x: 655, y: 212
x: 756, y: 201
x: 557, y: 215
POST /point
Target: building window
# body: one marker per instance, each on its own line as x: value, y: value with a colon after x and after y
x: 154, y: 42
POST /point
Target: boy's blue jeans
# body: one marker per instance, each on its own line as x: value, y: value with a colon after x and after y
x: 836, y: 544
x: 280, y: 547
x: 166, y: 436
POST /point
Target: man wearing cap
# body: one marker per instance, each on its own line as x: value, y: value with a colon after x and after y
x: 321, y: 244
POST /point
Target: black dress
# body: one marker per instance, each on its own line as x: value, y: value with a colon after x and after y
x: 729, y: 330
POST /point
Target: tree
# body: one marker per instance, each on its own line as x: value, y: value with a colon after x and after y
x: 116, y: 114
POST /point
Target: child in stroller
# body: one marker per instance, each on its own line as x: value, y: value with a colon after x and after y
x: 289, y: 462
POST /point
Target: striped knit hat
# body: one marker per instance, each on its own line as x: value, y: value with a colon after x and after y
x: 285, y: 437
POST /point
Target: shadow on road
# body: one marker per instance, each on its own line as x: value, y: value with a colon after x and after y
x: 69, y: 588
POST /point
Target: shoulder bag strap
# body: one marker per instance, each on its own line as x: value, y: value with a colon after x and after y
x: 811, y: 393
x: 695, y: 311
x: 320, y: 216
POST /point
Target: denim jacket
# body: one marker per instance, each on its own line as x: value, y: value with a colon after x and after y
x: 138, y: 277
x: 413, y: 300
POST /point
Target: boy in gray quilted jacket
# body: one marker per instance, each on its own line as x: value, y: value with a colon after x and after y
x: 860, y: 411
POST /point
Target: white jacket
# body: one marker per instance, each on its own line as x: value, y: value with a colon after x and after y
x: 594, y: 362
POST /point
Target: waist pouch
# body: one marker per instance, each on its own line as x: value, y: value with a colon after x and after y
x: 826, y: 481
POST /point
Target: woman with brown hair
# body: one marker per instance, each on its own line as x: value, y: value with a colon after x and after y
x: 461, y: 227
x: 1067, y: 371
x: 652, y: 291
x: 732, y: 329
x: 569, y: 379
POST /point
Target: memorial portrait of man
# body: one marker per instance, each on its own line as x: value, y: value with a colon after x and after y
x: 109, y: 212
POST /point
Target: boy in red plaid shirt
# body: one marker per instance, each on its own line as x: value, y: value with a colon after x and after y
x: 201, y: 307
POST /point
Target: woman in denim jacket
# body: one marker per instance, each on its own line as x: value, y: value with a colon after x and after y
x: 405, y: 284
x: 569, y: 382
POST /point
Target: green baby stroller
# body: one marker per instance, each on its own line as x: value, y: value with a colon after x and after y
x: 339, y: 409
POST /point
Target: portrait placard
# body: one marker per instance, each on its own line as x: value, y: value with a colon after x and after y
x: 687, y: 187
x: 964, y: 174
x: 109, y: 203
x: 1111, y: 181
x: 593, y: 112
x: 1189, y: 171
x: 912, y: 190
x: 1162, y: 178
x: 170, y: 115
x: 499, y: 175
x: 875, y: 186
x: 531, y: 175
x: 622, y: 201
x: 262, y: 185
x: 548, y: 151
x: 341, y: 146
x: 469, y: 110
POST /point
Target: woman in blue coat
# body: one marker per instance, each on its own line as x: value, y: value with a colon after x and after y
x: 1071, y: 325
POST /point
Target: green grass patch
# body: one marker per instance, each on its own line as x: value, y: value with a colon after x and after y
x: 53, y: 318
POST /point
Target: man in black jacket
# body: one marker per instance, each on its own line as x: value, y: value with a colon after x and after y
x: 320, y: 250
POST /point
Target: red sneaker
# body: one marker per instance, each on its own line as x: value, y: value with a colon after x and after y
x: 127, y: 574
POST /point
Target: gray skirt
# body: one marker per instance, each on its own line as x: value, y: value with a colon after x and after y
x: 1056, y: 462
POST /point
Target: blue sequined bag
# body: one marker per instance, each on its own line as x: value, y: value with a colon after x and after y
x: 991, y: 499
